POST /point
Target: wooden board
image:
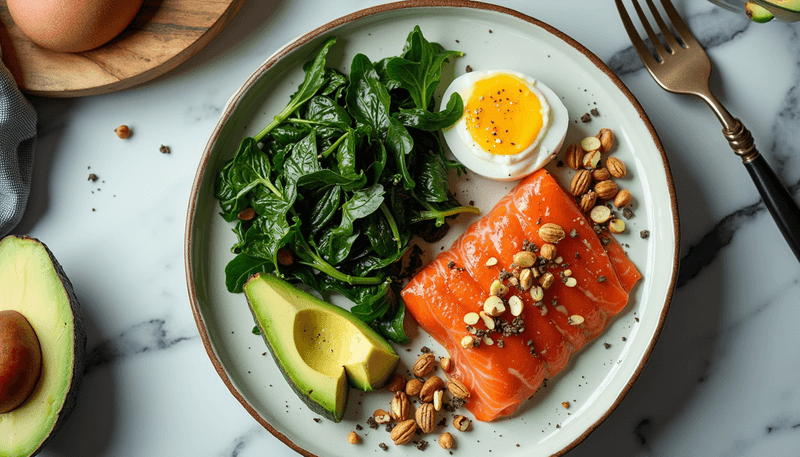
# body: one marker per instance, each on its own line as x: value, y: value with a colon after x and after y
x: 163, y: 34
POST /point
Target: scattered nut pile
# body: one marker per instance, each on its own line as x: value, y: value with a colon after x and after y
x: 594, y: 183
x: 405, y: 426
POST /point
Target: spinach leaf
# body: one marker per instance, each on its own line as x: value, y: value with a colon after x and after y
x: 426, y: 120
x: 399, y: 143
x: 248, y: 168
x: 335, y: 81
x: 380, y: 235
x: 302, y: 159
x: 433, y: 181
x: 325, y: 208
x: 285, y: 134
x: 314, y: 79
x: 325, y: 111
x: 340, y: 239
x: 367, y: 99
x: 324, y: 178
x: 420, y: 69
x: 390, y: 324
x: 241, y: 267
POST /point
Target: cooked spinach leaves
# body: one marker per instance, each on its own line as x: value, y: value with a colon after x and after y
x: 343, y: 178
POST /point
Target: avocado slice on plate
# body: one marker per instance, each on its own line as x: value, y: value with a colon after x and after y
x: 37, y: 304
x: 318, y: 346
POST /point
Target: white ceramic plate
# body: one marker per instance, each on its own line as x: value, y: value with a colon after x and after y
x: 491, y: 37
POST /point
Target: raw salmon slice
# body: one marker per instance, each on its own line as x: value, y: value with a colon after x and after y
x: 512, y: 360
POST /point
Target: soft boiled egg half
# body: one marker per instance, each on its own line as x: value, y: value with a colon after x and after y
x: 512, y: 124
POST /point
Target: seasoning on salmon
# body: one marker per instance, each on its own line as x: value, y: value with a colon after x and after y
x: 564, y: 303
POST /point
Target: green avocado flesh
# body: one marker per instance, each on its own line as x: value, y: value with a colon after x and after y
x: 793, y: 5
x: 318, y: 346
x: 757, y: 13
x: 33, y: 284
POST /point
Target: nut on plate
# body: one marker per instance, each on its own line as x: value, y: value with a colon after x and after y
x: 400, y: 407
x: 457, y: 388
x: 446, y: 364
x: 494, y: 306
x: 601, y: 174
x: 600, y: 214
x: 551, y: 233
x: 413, y: 386
x: 353, y: 438
x: 397, y: 383
x: 446, y: 440
x: 588, y: 200
x: 547, y: 280
x: 574, y: 156
x: 623, y: 198
x: 403, y: 432
x: 123, y: 131
x: 426, y: 417
x: 616, y: 167
x: 461, y: 423
x: 381, y: 416
x: 606, y: 137
x: 591, y: 159
x: 548, y: 251
x: 616, y: 226
x: 591, y: 144
x: 424, y: 365
x: 581, y: 182
x: 606, y: 190
x: 430, y: 386
x: 524, y: 259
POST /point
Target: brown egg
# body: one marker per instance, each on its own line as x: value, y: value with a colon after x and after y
x: 72, y: 25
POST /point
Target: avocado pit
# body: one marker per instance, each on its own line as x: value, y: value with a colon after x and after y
x: 20, y: 360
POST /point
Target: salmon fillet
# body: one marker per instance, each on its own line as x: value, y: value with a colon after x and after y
x: 526, y: 350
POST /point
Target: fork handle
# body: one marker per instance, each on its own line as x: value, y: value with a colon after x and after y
x: 776, y: 197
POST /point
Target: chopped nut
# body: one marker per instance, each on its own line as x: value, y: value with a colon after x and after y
x: 247, y: 214
x: 467, y: 342
x: 403, y: 432
x: 424, y: 365
x: 461, y: 423
x: 400, y: 406
x: 413, y: 386
x: 600, y: 214
x: 601, y: 174
x: 487, y: 320
x: 537, y: 293
x: 164, y: 149
x: 426, y: 417
x: 580, y: 183
x: 430, y: 386
x: 548, y: 251
x: 437, y: 400
x: 606, y: 137
x: 547, y: 280
x: 565, y: 404
x: 491, y: 262
x: 606, y: 190
x: 551, y: 233
x: 498, y: 288
x: 525, y: 279
x: 591, y: 159
x: 588, y: 200
x: 515, y: 305
x: 574, y: 156
x: 494, y: 306
x: 644, y: 234
x: 487, y: 340
x: 623, y: 198
x: 471, y: 318
x: 525, y: 258
x: 445, y: 440
x: 616, y: 226
x: 381, y: 416
x: 575, y: 319
x: 397, y: 383
x: 571, y: 282
x: 353, y: 438
x: 93, y: 177
x: 123, y: 131
x: 446, y: 363
x: 590, y: 144
x: 616, y: 167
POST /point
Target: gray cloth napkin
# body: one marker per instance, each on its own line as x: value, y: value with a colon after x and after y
x: 17, y: 140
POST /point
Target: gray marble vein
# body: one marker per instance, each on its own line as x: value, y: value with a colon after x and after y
x: 148, y: 336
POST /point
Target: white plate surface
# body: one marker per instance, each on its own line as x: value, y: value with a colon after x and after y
x: 596, y: 380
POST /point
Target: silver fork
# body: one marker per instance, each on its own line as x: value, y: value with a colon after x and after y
x: 683, y: 67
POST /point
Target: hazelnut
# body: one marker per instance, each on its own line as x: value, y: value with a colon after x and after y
x: 623, y: 198
x: 413, y: 387
x: 397, y: 383
x: 353, y: 438
x: 445, y: 440
x: 123, y: 131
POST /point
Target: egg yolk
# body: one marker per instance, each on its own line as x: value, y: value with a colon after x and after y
x: 503, y: 115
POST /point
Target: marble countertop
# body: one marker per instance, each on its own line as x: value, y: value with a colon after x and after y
x: 722, y: 380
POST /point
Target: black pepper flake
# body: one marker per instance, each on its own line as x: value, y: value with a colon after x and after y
x: 442, y: 422
x: 597, y: 228
x: 559, y: 164
x: 500, y: 344
x: 504, y: 274
x: 539, y: 221
x: 457, y: 403
x: 317, y: 420
x: 627, y: 213
x: 636, y: 319
x: 358, y: 426
x: 390, y: 427
x: 606, y: 345
x: 601, y: 279
x: 425, y: 350
x: 604, y: 241
x: 92, y: 177
x: 371, y: 423
x: 164, y: 149
x: 586, y: 118
x: 421, y: 445
x: 573, y: 234
x: 451, y: 264
x: 594, y: 112
x: 624, y: 339
x: 468, y: 69
x: 644, y: 234
x: 383, y: 446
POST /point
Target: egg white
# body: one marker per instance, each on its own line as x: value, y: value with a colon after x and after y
x: 513, y: 166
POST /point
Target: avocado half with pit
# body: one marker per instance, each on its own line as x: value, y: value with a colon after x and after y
x: 42, y: 346
x: 318, y: 346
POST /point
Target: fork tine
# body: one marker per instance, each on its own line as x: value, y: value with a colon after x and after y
x: 654, y: 41
x: 684, y: 33
x: 665, y: 32
x: 636, y: 40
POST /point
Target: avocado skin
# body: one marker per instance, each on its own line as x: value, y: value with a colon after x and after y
x: 79, y: 347
x: 312, y: 405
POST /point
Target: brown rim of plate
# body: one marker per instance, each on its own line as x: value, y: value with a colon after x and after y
x: 382, y: 9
